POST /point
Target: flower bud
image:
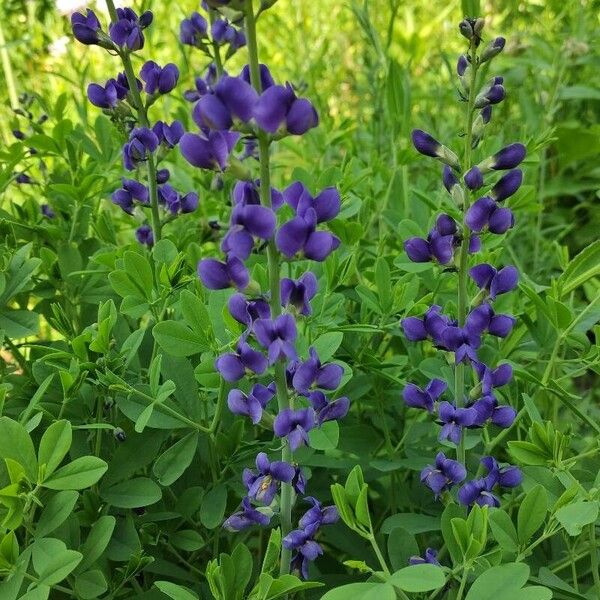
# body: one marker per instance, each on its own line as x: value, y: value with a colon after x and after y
x: 473, y: 178
x: 471, y: 29
x: 429, y: 146
x: 492, y: 49
x: 507, y: 158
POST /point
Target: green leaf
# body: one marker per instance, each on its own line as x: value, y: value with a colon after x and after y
x: 213, y: 506
x: 177, y: 339
x: 82, y: 473
x: 503, y: 530
x: 172, y: 463
x: 56, y: 512
x: 527, y: 453
x: 401, y: 546
x: 97, y: 540
x: 574, y: 517
x: 19, y: 323
x: 505, y: 582
x: 582, y: 268
x: 134, y: 493
x: 16, y: 443
x: 419, y: 578
x: 52, y: 561
x: 139, y: 270
x: 54, y: 445
x: 327, y: 344
x: 174, y: 591
x: 288, y: 584
x: 187, y: 539
x: 532, y: 513
x: 412, y: 522
x: 325, y: 437
x: 195, y: 315
x: 91, y: 584
x: 362, y: 591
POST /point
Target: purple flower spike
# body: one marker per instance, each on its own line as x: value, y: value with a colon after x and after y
x: 217, y: 275
x: 251, y: 404
x: 144, y: 235
x: 507, y: 185
x: 415, y: 397
x: 247, y: 311
x: 443, y: 475
x: 474, y: 179
x: 245, y: 518
x: 311, y: 373
x: 210, y: 150
x: 328, y: 410
x: 495, y: 282
x: 234, y: 365
x: 86, y: 27
x: 429, y: 558
x: 263, y: 486
x: 453, y: 420
x: 299, y: 235
x: 277, y: 336
x: 298, y: 294
x: 477, y: 492
x: 295, y: 425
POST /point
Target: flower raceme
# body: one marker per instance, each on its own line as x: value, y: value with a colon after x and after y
x: 451, y: 242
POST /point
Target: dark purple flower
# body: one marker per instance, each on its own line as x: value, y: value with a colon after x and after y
x: 299, y: 481
x: 19, y: 135
x: 22, y: 178
x: 429, y: 146
x: 490, y: 379
x: 144, y: 235
x: 193, y: 30
x: 162, y: 176
x: 494, y: 94
x: 234, y: 365
x: 486, y: 114
x: 445, y: 225
x: 430, y: 558
x: 482, y: 318
x: 263, y: 486
x: 247, y: 311
x: 106, y: 96
x: 463, y: 341
x: 246, y: 517
x: 232, y: 100
x: 508, y: 158
x: 484, y: 212
x: 295, y: 425
x: 251, y: 404
x: 508, y: 476
x: 86, y: 27
x: 142, y: 142
x: 474, y: 178
x: 266, y: 79
x: 312, y: 373
x: 416, y: 397
x: 326, y: 205
x: 453, y: 420
x: 435, y: 247
x: 247, y: 222
x: 279, y: 110
x: 306, y: 548
x: 223, y: 32
x: 189, y: 202
x: 443, y: 475
x: 477, y: 492
x: 488, y: 409
x: 217, y: 275
x: 47, y: 211
x: 278, y: 336
x: 203, y: 85
x: 449, y: 178
x: 159, y: 79
x: 131, y: 190
x: 492, y: 49
x: 496, y: 282
x: 299, y: 235
x: 327, y: 410
x: 316, y: 516
x: 299, y: 293
x: 507, y: 185
x: 431, y: 326
x: 209, y: 150
x: 461, y: 65
x: 248, y: 192
x: 127, y: 31
x: 169, y: 135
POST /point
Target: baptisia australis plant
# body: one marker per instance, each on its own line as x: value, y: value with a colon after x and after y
x: 480, y: 212
x: 289, y: 225
x: 126, y: 99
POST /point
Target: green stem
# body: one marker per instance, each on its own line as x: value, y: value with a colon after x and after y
x: 463, y: 583
x: 283, y: 400
x: 379, y: 554
x: 9, y: 77
x: 594, y: 557
x: 459, y: 376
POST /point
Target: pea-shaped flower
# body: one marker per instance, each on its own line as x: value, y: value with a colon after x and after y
x: 159, y: 79
x: 294, y: 425
x: 253, y: 403
x: 142, y: 142
x: 218, y: 275
x: 444, y: 474
x: 299, y: 293
x: 246, y: 517
x: 263, y: 486
x: 277, y: 336
x: 416, y: 397
x: 209, y: 150
x: 234, y: 365
x: 495, y: 281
